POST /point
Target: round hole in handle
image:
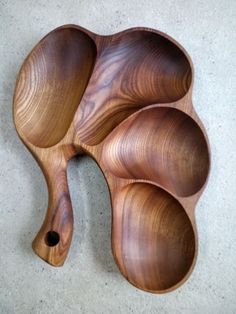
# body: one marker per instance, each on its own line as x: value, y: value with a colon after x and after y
x: 52, y: 238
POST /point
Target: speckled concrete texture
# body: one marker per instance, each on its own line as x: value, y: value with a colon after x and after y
x: 90, y: 282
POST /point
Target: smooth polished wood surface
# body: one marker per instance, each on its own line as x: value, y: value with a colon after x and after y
x: 125, y: 100
x: 163, y: 145
x: 156, y: 234
x: 51, y: 85
x: 125, y: 79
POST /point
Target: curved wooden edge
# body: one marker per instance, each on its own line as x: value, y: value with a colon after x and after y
x: 98, y: 40
x: 188, y: 203
x: 115, y: 185
x: 53, y: 240
x: 183, y: 105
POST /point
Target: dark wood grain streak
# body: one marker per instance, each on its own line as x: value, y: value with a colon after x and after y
x: 124, y: 80
x: 125, y: 100
x: 158, y: 242
x: 168, y: 147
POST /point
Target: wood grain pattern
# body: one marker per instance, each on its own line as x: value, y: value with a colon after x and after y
x: 125, y: 100
x: 54, y: 238
x: 168, y: 147
x: 59, y: 66
x: 124, y: 80
x: 156, y: 235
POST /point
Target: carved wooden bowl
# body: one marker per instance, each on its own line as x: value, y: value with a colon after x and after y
x: 125, y: 100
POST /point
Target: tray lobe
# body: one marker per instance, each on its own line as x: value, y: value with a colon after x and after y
x: 60, y: 65
x: 156, y: 236
x: 159, y: 144
x: 133, y: 70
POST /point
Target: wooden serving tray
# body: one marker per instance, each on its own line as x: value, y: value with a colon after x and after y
x: 125, y: 100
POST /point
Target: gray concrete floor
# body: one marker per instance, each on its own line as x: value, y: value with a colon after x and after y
x: 90, y: 282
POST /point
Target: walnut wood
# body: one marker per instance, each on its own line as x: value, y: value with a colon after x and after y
x: 125, y: 100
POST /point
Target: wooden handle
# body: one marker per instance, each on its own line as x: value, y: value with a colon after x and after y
x: 52, y: 242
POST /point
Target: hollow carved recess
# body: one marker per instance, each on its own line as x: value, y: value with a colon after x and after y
x: 125, y: 80
x: 156, y: 235
x: 60, y: 65
x: 160, y: 144
x: 122, y: 100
